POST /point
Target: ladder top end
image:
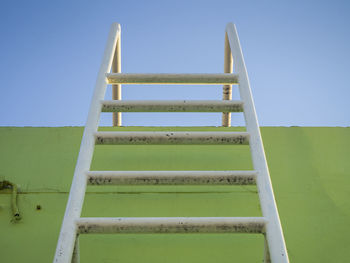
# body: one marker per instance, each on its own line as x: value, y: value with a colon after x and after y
x: 117, y: 25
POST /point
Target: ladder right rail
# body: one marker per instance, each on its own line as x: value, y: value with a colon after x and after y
x: 275, y: 247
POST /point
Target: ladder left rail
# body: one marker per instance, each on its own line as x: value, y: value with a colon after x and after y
x: 69, y: 230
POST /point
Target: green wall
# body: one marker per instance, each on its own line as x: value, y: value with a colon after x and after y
x: 309, y: 170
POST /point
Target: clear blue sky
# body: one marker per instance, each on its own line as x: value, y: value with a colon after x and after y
x: 297, y: 55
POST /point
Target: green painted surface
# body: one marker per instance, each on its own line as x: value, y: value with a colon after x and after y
x: 309, y: 170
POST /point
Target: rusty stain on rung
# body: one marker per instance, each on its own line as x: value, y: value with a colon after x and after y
x: 249, y: 225
x: 167, y: 138
x: 171, y: 177
x: 172, y: 106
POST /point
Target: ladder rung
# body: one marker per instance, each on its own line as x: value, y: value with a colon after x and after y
x: 164, y: 138
x: 200, y: 79
x: 171, y: 225
x: 171, y: 177
x: 172, y: 106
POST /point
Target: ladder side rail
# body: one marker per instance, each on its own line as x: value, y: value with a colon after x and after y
x: 117, y: 89
x: 68, y: 233
x: 274, y: 234
x: 227, y: 89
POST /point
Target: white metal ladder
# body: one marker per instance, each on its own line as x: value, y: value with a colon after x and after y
x: 269, y: 224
